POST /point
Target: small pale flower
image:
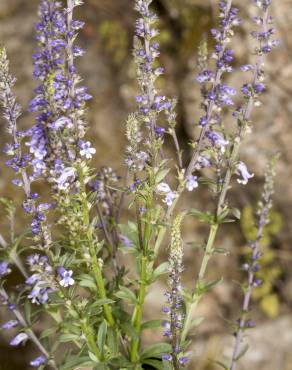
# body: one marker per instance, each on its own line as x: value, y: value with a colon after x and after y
x: 4, y: 268
x: 62, y: 122
x: 68, y: 174
x: 38, y: 361
x: 242, y: 171
x: 10, y: 324
x: 66, y: 276
x: 163, y: 187
x: 169, y: 198
x: 86, y: 150
x: 166, y: 357
x: 20, y: 338
x: 192, y: 183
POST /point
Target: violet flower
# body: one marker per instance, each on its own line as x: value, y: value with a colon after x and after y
x: 66, y: 277
x: 57, y: 137
x: 216, y: 94
x: 10, y: 324
x: 169, y: 195
x: 20, y: 338
x: 37, y: 362
x: 192, y: 183
x: 4, y: 268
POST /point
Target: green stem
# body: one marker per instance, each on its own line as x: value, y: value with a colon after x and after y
x: 100, y: 284
x: 91, y: 245
x: 190, y: 308
x: 228, y: 176
x: 138, y: 311
x: 163, y: 230
x: 90, y: 340
x: 146, y: 260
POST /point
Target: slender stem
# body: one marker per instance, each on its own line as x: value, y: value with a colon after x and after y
x: 196, y: 295
x: 177, y: 147
x: 110, y: 240
x: 247, y: 297
x: 100, y: 284
x: 138, y: 311
x: 29, y: 331
x: 229, y: 172
x: 263, y: 219
x: 3, y: 242
x: 92, y: 251
x: 17, y: 261
x: 87, y: 330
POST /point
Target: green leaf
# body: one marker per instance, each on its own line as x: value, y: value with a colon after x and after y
x: 77, y: 362
x: 46, y: 333
x: 221, y: 364
x: 102, y: 301
x: 151, y: 324
x: 236, y: 213
x: 93, y: 357
x: 64, y: 338
x: 113, y: 342
x: 242, y: 352
x: 101, y: 336
x: 163, y: 268
x: 203, y: 287
x: 223, y: 215
x: 161, y: 175
x: 129, y: 330
x: 206, y: 217
x: 56, y: 314
x: 154, y: 363
x: 196, y: 322
x: 221, y: 251
x: 213, y: 283
x: 126, y: 294
x: 167, y: 365
x: 87, y: 281
x: 155, y: 350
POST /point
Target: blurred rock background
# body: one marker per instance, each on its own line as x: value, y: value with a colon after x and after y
x: 108, y: 70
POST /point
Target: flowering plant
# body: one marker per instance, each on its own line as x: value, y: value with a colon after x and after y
x: 71, y: 254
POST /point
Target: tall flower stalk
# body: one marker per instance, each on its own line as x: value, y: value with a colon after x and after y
x: 253, y: 266
x: 143, y: 156
x: 174, y: 310
x: 229, y: 165
x: 74, y: 274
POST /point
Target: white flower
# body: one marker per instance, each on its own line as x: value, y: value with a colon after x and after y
x: 192, y: 183
x: 170, y: 195
x: 242, y: 171
x: 169, y: 198
x: 163, y: 187
x: 21, y: 337
x: 86, y: 150
x: 68, y: 173
x: 61, y: 123
x: 67, y: 278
